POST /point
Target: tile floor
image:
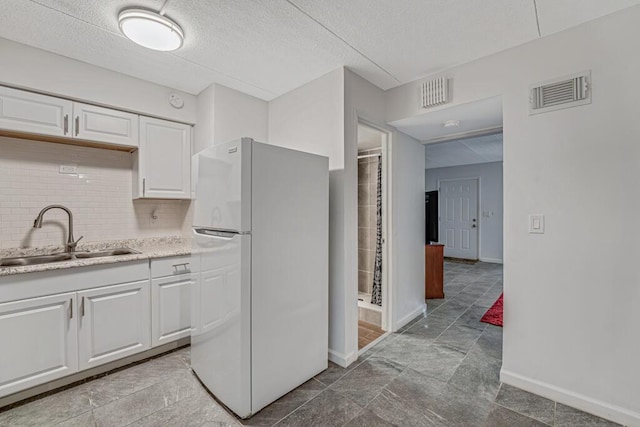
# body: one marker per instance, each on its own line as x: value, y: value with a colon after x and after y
x: 441, y: 370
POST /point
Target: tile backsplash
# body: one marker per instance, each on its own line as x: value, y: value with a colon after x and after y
x: 99, y: 195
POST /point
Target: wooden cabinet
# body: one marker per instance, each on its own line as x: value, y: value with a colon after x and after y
x: 105, y: 125
x: 434, y: 271
x: 114, y: 322
x: 39, y: 341
x: 23, y: 111
x: 162, y: 164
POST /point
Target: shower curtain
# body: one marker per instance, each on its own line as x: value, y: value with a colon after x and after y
x: 376, y: 293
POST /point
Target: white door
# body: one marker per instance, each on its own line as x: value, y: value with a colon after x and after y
x: 459, y: 218
x: 105, y: 125
x: 223, y: 335
x: 39, y: 341
x: 171, y: 308
x: 114, y: 322
x: 223, y: 190
x: 24, y: 111
x: 164, y: 159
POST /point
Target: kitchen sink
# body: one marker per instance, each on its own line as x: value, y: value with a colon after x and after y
x: 31, y: 260
x: 111, y: 252
x: 46, y: 259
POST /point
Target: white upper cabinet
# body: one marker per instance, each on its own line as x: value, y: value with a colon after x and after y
x: 105, y: 125
x: 163, y: 160
x: 23, y: 111
x: 39, y: 341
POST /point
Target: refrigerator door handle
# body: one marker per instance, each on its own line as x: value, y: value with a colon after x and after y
x: 227, y: 235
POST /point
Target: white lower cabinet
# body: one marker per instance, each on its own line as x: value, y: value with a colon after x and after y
x: 113, y: 322
x: 171, y: 299
x: 171, y: 314
x: 39, y: 341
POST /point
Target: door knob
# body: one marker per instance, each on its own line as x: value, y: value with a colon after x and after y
x: 473, y: 226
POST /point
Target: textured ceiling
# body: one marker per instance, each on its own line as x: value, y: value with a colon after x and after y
x: 482, y: 149
x: 268, y: 47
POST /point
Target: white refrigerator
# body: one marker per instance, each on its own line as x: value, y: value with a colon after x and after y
x: 260, y: 233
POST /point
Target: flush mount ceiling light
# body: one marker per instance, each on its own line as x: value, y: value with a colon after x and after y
x: 451, y: 123
x: 150, y: 29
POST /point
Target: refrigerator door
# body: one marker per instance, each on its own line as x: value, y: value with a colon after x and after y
x: 220, y: 342
x: 223, y: 188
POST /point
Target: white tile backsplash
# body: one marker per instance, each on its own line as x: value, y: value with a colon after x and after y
x: 99, y: 196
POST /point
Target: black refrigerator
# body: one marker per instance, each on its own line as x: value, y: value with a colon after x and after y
x: 431, y: 216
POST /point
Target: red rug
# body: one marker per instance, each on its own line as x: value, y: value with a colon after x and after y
x: 494, y: 314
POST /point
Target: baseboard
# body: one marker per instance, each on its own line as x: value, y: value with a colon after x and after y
x: 342, y: 359
x: 569, y: 398
x: 409, y: 317
x: 491, y: 260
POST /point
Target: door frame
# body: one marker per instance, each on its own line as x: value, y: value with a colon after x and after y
x: 478, y: 179
x: 387, y: 286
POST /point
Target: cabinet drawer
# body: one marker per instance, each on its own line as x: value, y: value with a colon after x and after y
x: 174, y: 266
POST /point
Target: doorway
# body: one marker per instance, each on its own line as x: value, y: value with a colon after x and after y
x: 459, y: 217
x: 372, y: 207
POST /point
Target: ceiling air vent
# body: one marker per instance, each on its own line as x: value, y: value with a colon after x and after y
x: 434, y: 92
x: 564, y: 92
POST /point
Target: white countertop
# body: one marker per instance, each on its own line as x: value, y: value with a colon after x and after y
x: 155, y: 247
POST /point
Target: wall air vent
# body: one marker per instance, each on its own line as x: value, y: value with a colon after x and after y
x: 435, y: 92
x: 564, y: 92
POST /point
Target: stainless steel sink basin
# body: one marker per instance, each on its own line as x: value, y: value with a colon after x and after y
x: 45, y: 259
x: 31, y: 260
x: 111, y: 252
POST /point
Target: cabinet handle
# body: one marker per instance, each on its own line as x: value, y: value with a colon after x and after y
x: 144, y: 186
x: 184, y: 265
x: 82, y: 307
x: 66, y: 124
x: 77, y: 125
x: 70, y: 308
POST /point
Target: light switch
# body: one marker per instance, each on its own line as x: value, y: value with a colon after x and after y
x: 536, y: 223
x: 68, y: 169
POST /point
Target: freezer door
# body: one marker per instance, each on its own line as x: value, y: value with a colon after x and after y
x: 223, y: 187
x: 220, y: 343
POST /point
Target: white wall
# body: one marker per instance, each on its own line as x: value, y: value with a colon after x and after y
x: 408, y: 228
x: 572, y: 323
x: 311, y: 118
x: 490, y: 175
x: 26, y: 67
x: 225, y: 114
x: 99, y: 196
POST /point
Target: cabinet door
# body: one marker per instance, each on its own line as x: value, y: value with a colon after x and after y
x: 39, y: 341
x: 105, y: 125
x: 114, y: 322
x: 170, y: 308
x: 164, y: 159
x: 24, y: 111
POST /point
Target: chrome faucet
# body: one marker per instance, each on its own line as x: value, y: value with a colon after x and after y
x: 70, y: 247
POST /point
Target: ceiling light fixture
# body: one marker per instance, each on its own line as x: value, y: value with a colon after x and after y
x: 451, y: 123
x: 150, y: 29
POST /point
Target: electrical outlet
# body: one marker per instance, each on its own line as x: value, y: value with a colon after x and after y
x: 68, y: 169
